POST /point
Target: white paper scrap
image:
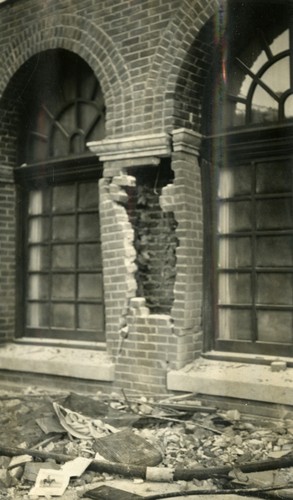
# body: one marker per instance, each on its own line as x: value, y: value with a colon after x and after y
x: 76, y: 467
x: 19, y: 460
x: 50, y: 482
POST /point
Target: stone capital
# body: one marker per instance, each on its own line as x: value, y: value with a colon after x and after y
x: 134, y: 149
x: 186, y: 141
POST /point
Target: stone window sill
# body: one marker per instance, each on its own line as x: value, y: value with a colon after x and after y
x: 61, y: 361
x: 232, y: 379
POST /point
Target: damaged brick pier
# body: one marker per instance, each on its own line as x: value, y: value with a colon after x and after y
x: 151, y: 272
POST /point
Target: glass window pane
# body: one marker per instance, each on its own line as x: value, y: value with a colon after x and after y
x: 90, y: 286
x: 62, y: 316
x: 274, y: 214
x: 274, y: 251
x: 90, y: 317
x: 39, y: 202
x: 63, y: 290
x: 77, y: 143
x: 63, y: 256
x: 63, y: 227
x: 38, y: 286
x: 276, y: 77
x: 275, y: 326
x: 89, y: 195
x: 38, y: 230
x: 69, y: 118
x: 273, y: 177
x: 88, y: 226
x: 235, y: 324
x: 235, y: 252
x: 264, y: 107
x: 289, y: 107
x: 38, y: 146
x: 280, y: 43
x: 245, y: 82
x: 89, y: 255
x: 88, y: 114
x: 275, y: 289
x: 37, y: 315
x: 235, y: 181
x: 61, y: 143
x: 39, y: 258
x: 235, y: 216
x: 64, y: 198
x: 63, y: 286
x: 239, y: 114
x: 235, y: 288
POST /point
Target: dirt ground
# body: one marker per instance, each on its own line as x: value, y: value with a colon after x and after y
x: 174, y: 433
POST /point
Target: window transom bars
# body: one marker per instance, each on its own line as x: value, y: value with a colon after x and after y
x: 62, y: 286
x: 248, y: 173
x: 263, y: 92
x: 64, y: 275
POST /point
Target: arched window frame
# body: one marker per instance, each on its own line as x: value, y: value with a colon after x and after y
x: 44, y: 170
x: 249, y: 144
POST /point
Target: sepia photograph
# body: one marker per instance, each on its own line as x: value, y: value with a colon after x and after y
x: 146, y: 249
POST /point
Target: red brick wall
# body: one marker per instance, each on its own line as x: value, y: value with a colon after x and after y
x: 142, y: 52
x: 151, y: 58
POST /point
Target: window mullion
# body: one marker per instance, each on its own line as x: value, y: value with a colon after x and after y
x: 50, y: 264
x: 254, y: 333
x: 76, y: 270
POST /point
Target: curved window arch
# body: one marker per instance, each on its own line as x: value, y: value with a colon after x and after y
x: 265, y: 86
x: 65, y: 109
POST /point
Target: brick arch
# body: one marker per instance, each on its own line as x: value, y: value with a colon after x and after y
x: 78, y: 35
x: 176, y: 43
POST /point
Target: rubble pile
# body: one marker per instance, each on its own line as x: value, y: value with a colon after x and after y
x: 71, y: 446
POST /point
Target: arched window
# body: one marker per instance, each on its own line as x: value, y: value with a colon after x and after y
x: 248, y: 165
x: 61, y: 285
x: 265, y: 95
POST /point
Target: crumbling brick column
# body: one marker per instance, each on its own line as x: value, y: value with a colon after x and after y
x: 118, y: 258
x: 137, y: 339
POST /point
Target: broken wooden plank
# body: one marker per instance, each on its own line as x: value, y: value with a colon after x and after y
x: 50, y: 424
x: 31, y: 469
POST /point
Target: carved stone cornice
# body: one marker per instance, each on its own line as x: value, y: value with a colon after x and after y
x: 186, y: 141
x: 133, y: 148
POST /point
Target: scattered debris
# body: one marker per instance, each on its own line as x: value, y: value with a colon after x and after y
x: 76, y: 443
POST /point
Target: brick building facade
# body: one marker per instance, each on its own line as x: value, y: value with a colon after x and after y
x: 107, y: 287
